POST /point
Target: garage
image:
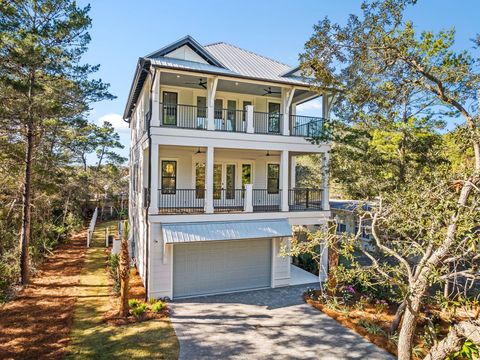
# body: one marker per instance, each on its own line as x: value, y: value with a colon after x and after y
x: 210, y: 267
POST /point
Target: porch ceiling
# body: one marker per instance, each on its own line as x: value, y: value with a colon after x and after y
x: 192, y: 81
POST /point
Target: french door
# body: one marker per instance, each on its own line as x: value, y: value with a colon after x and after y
x: 274, y: 118
x: 224, y: 181
x: 170, y: 102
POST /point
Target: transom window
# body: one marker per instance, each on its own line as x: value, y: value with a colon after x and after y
x: 169, y: 177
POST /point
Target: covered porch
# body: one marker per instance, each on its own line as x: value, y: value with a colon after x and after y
x: 218, y: 180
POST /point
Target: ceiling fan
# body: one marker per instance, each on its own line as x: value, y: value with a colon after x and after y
x: 200, y: 83
x: 270, y: 92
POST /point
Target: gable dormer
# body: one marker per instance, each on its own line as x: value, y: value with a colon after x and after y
x: 188, y: 49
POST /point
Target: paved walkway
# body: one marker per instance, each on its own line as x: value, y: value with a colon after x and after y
x: 264, y: 324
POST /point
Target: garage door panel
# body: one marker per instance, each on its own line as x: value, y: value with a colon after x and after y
x: 212, y: 267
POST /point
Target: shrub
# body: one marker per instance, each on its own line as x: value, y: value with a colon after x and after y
x: 158, y: 306
x: 114, y: 266
x: 139, y: 311
x: 133, y: 303
x: 152, y: 301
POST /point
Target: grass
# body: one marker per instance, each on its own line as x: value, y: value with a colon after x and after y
x: 92, y: 338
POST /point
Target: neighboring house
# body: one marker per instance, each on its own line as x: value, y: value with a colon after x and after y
x: 346, y: 213
x: 214, y: 136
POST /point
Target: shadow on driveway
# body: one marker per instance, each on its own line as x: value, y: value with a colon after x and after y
x: 264, y: 324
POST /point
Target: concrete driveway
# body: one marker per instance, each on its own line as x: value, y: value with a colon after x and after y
x: 264, y: 324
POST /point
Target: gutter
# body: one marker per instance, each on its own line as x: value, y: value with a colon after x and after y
x: 149, y: 185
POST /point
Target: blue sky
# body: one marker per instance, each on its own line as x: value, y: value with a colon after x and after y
x: 124, y: 30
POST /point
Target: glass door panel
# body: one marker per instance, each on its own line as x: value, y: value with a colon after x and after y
x: 217, y: 181
x: 200, y: 180
x: 230, y: 181
x: 231, y: 115
x: 170, y: 108
x: 273, y: 118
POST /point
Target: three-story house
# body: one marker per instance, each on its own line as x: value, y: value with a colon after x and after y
x: 214, y: 138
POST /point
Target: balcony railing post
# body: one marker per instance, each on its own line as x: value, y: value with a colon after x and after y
x: 250, y: 128
x: 248, y: 204
x: 284, y: 180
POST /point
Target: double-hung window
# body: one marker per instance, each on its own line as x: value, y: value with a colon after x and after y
x: 169, y: 177
x: 273, y: 178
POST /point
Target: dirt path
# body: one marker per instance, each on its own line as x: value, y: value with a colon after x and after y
x: 37, y: 324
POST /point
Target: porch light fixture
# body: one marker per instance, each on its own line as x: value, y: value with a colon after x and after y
x: 199, y: 151
x: 178, y: 76
x: 268, y: 153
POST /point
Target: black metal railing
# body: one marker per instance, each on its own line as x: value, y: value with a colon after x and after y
x: 307, y: 126
x: 180, y: 201
x: 183, y: 116
x: 230, y: 120
x: 266, y: 123
x: 303, y: 199
x: 263, y: 201
x: 228, y: 200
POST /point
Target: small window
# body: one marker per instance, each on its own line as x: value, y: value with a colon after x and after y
x: 169, y: 177
x: 273, y: 178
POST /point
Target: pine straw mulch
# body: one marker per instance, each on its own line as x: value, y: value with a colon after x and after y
x: 352, y: 318
x: 37, y: 323
x: 136, y: 291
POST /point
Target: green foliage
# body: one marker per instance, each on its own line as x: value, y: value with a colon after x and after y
x: 133, y: 303
x: 46, y: 94
x: 139, y: 310
x: 114, y: 272
x: 373, y: 329
x: 158, y: 306
x: 468, y: 351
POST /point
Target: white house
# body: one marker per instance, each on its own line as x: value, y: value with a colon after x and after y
x: 214, y: 136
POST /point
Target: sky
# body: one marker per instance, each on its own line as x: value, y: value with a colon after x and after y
x: 122, y: 31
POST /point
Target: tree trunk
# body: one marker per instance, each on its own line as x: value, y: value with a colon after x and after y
x: 25, y: 231
x: 124, y: 272
x: 455, y: 339
x: 26, y: 209
x: 398, y: 317
x: 332, y: 265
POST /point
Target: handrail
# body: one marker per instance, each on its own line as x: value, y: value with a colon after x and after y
x: 91, y: 226
x: 267, y: 123
x: 307, y: 126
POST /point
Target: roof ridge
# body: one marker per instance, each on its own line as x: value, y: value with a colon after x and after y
x: 249, y: 51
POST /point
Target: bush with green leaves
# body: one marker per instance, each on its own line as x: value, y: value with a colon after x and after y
x: 133, y: 303
x: 139, y: 311
x: 114, y: 272
x: 158, y: 306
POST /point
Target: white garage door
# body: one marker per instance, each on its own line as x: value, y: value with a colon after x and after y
x: 220, y: 266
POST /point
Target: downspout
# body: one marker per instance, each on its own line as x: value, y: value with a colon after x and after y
x: 149, y: 184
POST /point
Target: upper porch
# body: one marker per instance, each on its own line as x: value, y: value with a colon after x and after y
x: 203, y: 102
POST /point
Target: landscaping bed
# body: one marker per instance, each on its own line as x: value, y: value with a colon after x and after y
x: 372, y: 318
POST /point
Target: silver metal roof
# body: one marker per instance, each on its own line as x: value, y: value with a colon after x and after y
x: 252, y: 65
x: 226, y: 230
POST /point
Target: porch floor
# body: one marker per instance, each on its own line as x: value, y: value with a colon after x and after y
x: 299, y: 276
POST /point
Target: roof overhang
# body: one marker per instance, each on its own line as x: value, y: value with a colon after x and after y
x: 179, y: 233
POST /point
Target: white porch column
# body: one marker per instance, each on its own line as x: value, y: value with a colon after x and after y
x: 248, y: 204
x: 325, y: 176
x: 209, y: 160
x: 155, y: 121
x: 287, y: 96
x: 154, y: 182
x: 211, y: 90
x: 250, y: 128
x: 293, y: 173
x: 284, y: 180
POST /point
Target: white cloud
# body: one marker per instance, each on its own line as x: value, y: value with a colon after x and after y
x: 116, y: 120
